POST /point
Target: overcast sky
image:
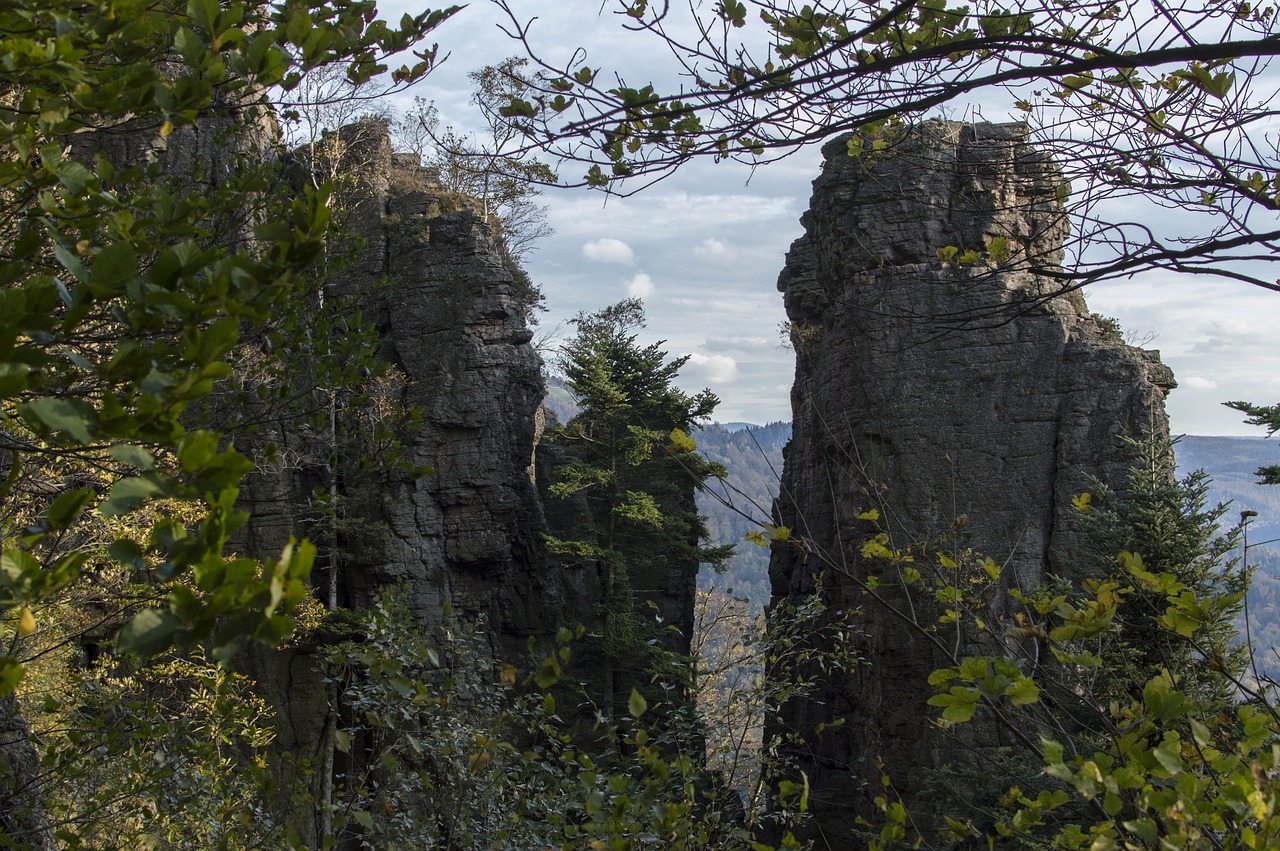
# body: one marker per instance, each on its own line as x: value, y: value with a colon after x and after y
x: 704, y: 248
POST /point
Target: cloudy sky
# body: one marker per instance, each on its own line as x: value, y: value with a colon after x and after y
x: 704, y: 248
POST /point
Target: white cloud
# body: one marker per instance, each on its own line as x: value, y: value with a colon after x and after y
x: 716, y: 369
x: 712, y: 249
x: 1196, y: 382
x: 639, y: 285
x: 742, y: 344
x: 609, y: 250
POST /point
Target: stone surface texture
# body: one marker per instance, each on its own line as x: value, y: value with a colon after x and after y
x: 451, y: 324
x: 961, y: 402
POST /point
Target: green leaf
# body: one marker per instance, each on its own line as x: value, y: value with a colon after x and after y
x: 133, y: 455
x: 70, y: 417
x: 19, y: 568
x: 1168, y: 754
x: 196, y: 449
x: 72, y: 264
x: 958, y: 705
x: 67, y: 507
x: 548, y: 673
x: 1162, y: 700
x: 733, y: 12
x: 65, y: 570
x: 11, y: 673
x: 1145, y: 829
x: 1073, y: 82
x: 150, y: 632
x: 636, y: 704
x: 1023, y: 692
x: 219, y: 338
x: 113, y: 266
x: 518, y: 108
x: 127, y: 494
x: 13, y: 378
x: 1051, y: 750
x: 127, y: 552
x: 596, y: 177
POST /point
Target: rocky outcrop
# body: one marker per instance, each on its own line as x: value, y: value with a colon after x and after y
x: 964, y: 398
x: 449, y: 321
x: 462, y: 538
x: 453, y: 325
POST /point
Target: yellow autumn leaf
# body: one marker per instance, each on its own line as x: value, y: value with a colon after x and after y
x: 682, y: 442
x: 26, y: 622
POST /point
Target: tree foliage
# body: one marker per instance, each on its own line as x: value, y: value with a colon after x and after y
x: 125, y: 289
x: 1160, y: 104
x: 449, y: 749
x: 147, y: 235
x: 1267, y: 416
x: 1172, y: 765
x: 1168, y: 522
x: 491, y: 169
x: 632, y: 460
x: 1135, y: 721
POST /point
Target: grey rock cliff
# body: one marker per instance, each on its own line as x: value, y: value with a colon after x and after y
x: 450, y: 322
x: 962, y: 402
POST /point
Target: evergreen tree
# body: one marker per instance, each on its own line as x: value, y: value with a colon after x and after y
x: 1169, y: 524
x: 1267, y: 416
x: 635, y: 465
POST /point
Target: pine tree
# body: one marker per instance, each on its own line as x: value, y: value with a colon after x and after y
x: 635, y: 465
x: 1168, y: 522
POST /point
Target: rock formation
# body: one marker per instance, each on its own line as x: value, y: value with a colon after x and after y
x: 450, y: 321
x: 960, y: 399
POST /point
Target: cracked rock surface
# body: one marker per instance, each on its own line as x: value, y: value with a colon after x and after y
x: 958, y: 397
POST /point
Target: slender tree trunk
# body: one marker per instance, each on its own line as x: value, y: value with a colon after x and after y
x: 22, y: 815
x: 326, y: 775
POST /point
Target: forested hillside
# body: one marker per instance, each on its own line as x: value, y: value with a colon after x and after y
x: 1232, y: 464
x: 738, y: 504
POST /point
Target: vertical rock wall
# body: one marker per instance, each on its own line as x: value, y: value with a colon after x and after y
x: 451, y: 324
x: 958, y: 402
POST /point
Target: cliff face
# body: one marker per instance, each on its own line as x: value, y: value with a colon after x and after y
x: 450, y: 322
x: 958, y: 402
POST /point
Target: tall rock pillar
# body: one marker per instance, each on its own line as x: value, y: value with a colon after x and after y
x: 957, y: 399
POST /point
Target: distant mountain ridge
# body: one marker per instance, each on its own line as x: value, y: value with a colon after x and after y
x: 752, y: 455
x: 1232, y: 464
